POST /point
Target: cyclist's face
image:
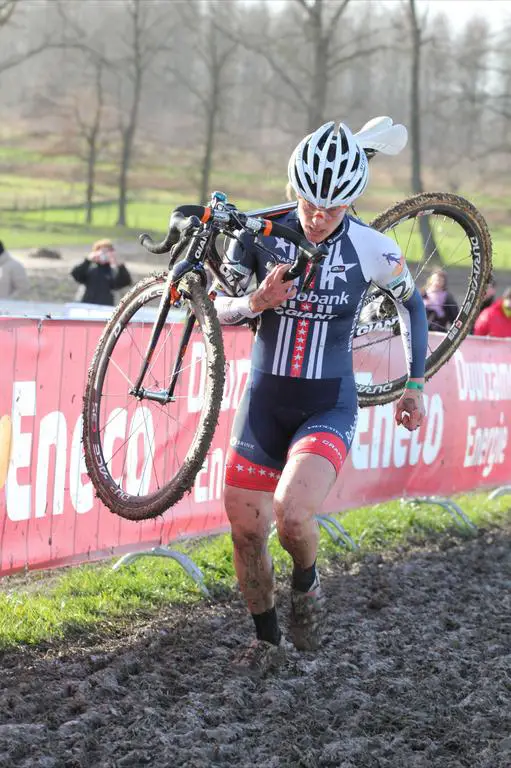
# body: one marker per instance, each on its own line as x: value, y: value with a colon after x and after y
x: 319, y: 223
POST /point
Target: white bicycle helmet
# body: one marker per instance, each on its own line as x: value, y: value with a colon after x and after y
x: 329, y: 167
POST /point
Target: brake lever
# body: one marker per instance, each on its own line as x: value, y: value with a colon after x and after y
x: 305, y: 258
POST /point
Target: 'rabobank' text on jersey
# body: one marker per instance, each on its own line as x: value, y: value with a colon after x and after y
x: 310, y: 336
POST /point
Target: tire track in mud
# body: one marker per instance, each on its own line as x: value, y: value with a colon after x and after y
x: 415, y: 672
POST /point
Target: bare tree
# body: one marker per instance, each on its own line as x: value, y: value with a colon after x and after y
x: 146, y: 39
x: 82, y: 107
x: 308, y: 61
x: 7, y: 12
x: 415, y: 107
x: 90, y: 127
x: 485, y: 74
x: 212, y: 51
x: 417, y: 33
x: 136, y: 64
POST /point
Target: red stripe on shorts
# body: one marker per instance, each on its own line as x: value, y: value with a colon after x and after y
x: 324, y: 444
x: 242, y: 473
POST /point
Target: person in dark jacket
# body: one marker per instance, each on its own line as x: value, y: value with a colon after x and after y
x: 101, y: 274
x: 441, y: 306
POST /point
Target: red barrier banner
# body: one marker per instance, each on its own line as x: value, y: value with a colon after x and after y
x: 49, y: 514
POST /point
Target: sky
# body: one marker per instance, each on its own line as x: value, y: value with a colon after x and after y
x: 496, y: 12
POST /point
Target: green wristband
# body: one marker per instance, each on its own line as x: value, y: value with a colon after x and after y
x: 414, y: 385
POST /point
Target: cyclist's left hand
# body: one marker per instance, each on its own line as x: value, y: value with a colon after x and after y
x: 410, y: 411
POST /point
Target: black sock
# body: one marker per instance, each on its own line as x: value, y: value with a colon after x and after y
x: 303, y: 578
x: 267, y: 626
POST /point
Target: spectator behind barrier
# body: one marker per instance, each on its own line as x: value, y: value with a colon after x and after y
x: 441, y: 306
x: 489, y: 298
x: 495, y: 320
x: 101, y: 274
x: 13, y: 276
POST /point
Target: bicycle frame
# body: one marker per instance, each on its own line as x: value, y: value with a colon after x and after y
x: 201, y: 253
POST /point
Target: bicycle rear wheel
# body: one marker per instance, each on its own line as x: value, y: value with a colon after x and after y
x: 143, y: 455
x: 432, y: 230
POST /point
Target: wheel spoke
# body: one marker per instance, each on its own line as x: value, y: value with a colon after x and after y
x: 146, y: 444
x: 452, y: 223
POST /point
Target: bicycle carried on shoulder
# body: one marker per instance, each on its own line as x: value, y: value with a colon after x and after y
x: 156, y: 381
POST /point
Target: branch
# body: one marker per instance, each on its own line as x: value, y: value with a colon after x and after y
x: 6, y: 10
x: 500, y: 112
x: 305, y: 5
x: 335, y: 18
x: 82, y: 125
x: 363, y: 37
x: 271, y: 61
x: 188, y: 83
x: 350, y: 57
x: 15, y: 61
x: 226, y: 55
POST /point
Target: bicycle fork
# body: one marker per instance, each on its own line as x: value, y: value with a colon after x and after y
x: 163, y: 396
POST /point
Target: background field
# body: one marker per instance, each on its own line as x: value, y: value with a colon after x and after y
x: 42, y: 194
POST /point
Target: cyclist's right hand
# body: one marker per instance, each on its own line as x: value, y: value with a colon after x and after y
x: 273, y: 291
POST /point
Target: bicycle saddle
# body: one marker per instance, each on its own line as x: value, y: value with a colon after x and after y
x: 381, y: 134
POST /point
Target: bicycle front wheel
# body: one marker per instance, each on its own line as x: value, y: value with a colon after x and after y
x: 143, y: 452
x: 433, y: 230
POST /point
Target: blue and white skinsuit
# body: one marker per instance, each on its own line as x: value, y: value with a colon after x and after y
x: 301, y: 396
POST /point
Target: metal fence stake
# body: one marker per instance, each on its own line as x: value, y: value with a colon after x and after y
x: 504, y: 490
x: 184, y: 561
x: 345, y: 538
x: 455, y: 511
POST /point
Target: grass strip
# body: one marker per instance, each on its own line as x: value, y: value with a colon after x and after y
x: 45, y: 606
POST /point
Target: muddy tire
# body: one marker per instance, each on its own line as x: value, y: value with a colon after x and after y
x: 451, y: 208
x: 114, y: 492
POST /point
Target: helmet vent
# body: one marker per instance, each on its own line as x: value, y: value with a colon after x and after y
x: 327, y: 179
x: 323, y: 139
x: 311, y: 183
x: 332, y: 151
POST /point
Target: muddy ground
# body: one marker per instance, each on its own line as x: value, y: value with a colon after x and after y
x: 415, y: 673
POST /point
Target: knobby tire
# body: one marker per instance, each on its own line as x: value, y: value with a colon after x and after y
x: 474, y: 224
x: 157, y: 502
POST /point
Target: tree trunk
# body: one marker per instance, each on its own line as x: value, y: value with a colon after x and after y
x: 128, y: 134
x: 128, y: 130
x: 431, y: 253
x: 91, y: 173
x: 320, y: 75
x: 123, y: 177
x: 205, y: 191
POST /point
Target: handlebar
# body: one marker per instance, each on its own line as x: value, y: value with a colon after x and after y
x: 187, y: 218
x: 182, y: 218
